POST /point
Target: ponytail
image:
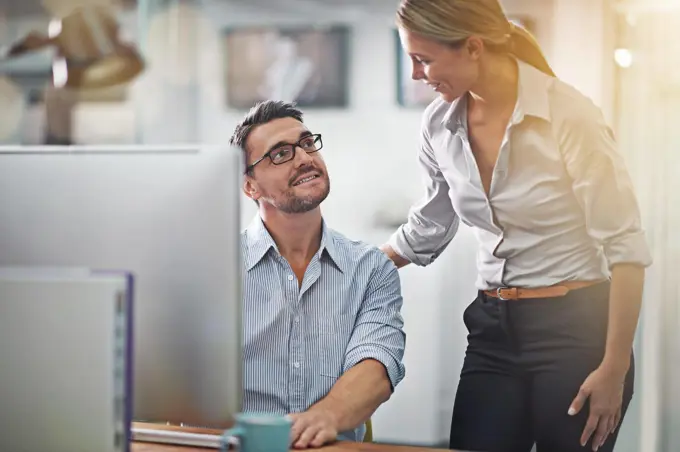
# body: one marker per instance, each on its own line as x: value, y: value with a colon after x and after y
x: 524, y: 47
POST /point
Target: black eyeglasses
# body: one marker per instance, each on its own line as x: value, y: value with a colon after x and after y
x: 286, y: 152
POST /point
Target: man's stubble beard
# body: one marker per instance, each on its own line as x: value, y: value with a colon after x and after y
x: 302, y: 204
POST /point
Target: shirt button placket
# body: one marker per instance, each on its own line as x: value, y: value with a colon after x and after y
x: 291, y: 290
x: 298, y: 350
x: 297, y: 358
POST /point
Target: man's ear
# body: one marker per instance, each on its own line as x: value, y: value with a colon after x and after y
x: 250, y: 188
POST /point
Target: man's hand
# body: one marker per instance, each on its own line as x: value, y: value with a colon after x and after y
x: 313, y: 428
x: 604, y: 387
x: 351, y: 401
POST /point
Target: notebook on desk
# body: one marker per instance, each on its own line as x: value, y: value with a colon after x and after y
x: 65, y: 349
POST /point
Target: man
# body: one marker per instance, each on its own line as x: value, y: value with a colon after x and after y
x: 323, y: 338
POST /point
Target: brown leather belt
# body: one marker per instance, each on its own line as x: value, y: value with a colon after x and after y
x: 558, y: 290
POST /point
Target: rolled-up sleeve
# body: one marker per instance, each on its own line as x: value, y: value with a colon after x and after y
x: 432, y: 222
x: 379, y: 329
x: 603, y: 188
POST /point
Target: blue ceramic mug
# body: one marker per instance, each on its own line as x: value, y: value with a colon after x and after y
x: 260, y: 433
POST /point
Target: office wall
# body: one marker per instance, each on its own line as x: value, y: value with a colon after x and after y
x: 583, y: 34
x: 370, y: 149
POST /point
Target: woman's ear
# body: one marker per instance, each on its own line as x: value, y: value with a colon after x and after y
x: 474, y: 47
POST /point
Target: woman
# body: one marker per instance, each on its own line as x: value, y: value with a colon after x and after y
x: 529, y: 163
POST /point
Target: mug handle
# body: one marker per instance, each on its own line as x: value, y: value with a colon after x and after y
x: 232, y: 432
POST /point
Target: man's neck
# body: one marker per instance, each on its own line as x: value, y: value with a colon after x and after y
x: 297, y: 236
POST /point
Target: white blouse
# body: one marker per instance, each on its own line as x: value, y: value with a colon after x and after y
x: 561, y: 204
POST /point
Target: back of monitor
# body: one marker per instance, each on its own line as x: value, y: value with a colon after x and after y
x: 171, y: 217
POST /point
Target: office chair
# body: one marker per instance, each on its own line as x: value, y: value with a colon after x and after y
x: 368, y: 436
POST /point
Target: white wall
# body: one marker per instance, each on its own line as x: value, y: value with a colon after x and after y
x: 583, y: 35
x: 370, y: 149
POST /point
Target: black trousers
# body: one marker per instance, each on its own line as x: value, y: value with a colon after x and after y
x: 524, y: 364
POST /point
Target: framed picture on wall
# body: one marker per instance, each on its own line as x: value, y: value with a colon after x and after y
x: 306, y: 65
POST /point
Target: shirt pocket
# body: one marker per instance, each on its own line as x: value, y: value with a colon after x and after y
x: 332, y: 341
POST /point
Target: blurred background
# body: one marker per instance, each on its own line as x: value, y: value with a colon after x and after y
x: 206, y: 61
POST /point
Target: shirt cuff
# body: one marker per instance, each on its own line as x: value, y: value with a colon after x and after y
x: 401, y: 246
x: 395, y: 369
x: 628, y: 249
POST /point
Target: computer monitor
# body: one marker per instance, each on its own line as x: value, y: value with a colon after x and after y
x: 168, y: 215
x: 64, y: 349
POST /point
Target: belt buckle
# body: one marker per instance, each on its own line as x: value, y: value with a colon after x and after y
x: 513, y: 290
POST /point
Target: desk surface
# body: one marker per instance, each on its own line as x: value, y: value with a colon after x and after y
x: 337, y: 447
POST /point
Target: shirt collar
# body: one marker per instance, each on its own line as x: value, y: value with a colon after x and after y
x: 532, y: 98
x: 455, y: 115
x: 259, y: 242
x: 328, y: 244
x: 533, y: 92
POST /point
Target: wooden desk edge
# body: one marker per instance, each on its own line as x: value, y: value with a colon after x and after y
x: 340, y: 446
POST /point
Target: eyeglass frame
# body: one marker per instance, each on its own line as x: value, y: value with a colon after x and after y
x: 316, y: 136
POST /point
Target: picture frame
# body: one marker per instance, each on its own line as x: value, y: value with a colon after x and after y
x: 306, y: 65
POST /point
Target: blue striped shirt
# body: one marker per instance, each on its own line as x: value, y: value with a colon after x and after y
x: 299, y: 339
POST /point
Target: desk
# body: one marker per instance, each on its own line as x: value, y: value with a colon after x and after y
x: 337, y: 447
x: 342, y: 446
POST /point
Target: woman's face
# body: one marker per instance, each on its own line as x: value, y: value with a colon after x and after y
x: 450, y: 70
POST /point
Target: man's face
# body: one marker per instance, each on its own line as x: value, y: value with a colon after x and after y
x: 296, y: 186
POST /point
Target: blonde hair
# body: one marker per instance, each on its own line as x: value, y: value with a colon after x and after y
x: 453, y: 21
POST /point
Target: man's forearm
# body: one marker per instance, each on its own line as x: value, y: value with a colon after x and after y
x: 356, y: 395
x: 625, y: 299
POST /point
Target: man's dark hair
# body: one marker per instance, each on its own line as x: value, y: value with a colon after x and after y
x: 262, y: 113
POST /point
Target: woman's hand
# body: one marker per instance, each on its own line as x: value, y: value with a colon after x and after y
x: 604, y: 388
x: 397, y: 259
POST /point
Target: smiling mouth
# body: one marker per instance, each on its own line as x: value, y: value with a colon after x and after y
x: 306, y: 179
